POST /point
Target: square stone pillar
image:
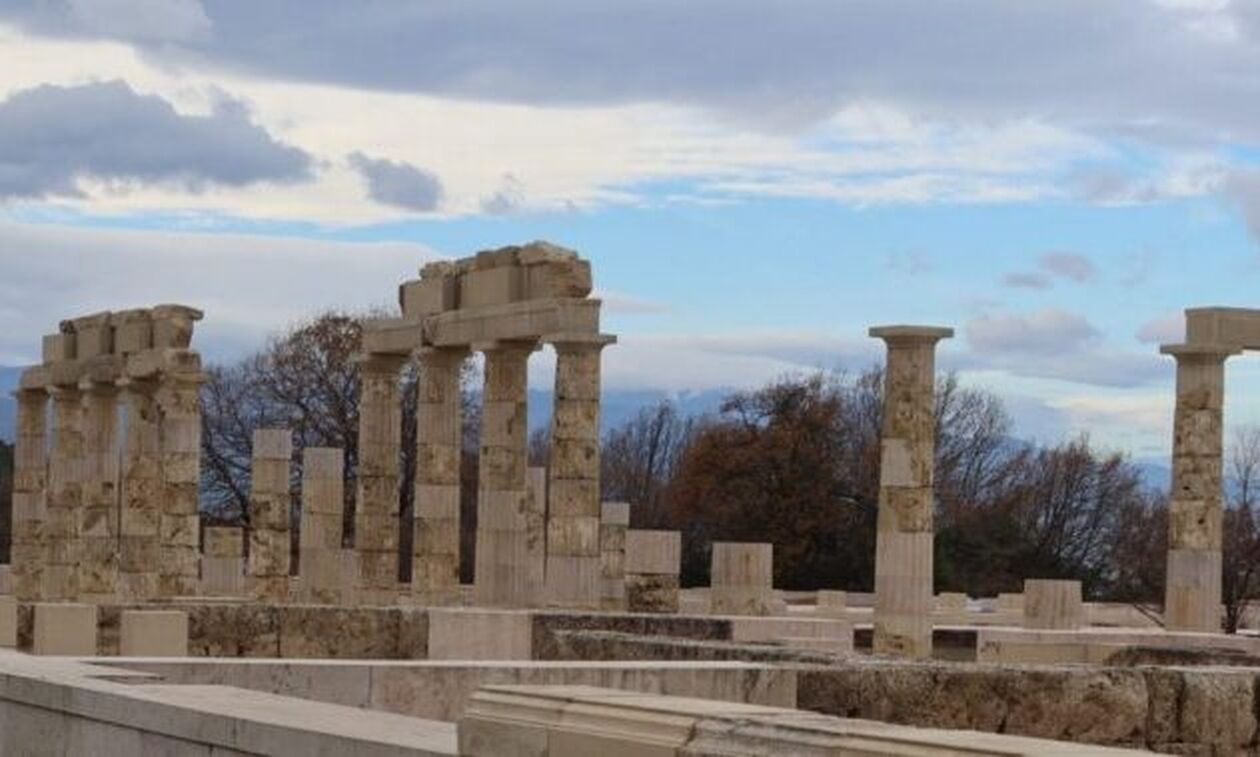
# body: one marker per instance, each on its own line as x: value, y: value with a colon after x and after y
x: 323, y: 503
x: 65, y: 497
x: 613, y: 524
x: 30, y: 478
x: 1192, y: 594
x: 269, y: 503
x: 653, y: 560
x: 98, y: 518
x: 903, y: 546
x: 223, y: 562
x: 178, y: 400
x: 573, y: 555
x: 741, y: 579
x: 376, y: 527
x: 439, y: 447
x: 1053, y: 604
x: 503, y: 499
x: 139, y: 543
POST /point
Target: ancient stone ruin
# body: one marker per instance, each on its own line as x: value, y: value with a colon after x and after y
x: 575, y: 637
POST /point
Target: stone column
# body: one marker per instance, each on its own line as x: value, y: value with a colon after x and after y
x: 439, y: 447
x: 1192, y: 594
x: 323, y: 500
x: 613, y: 523
x: 61, y: 518
x: 741, y: 579
x: 223, y: 563
x: 139, y: 544
x: 653, y: 559
x: 376, y: 527
x: 30, y: 477
x: 503, y: 497
x: 903, y: 546
x: 269, y: 503
x: 98, y: 519
x: 573, y: 560
x: 180, y: 438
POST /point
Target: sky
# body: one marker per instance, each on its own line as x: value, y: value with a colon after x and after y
x: 755, y: 183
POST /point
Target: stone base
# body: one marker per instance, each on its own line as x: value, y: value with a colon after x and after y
x: 65, y: 629
x: 153, y: 633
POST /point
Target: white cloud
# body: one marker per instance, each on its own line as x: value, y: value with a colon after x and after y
x: 1047, y: 331
x: 1169, y: 328
x: 1068, y: 265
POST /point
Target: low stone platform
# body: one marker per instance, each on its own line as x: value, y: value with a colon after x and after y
x: 1096, y: 645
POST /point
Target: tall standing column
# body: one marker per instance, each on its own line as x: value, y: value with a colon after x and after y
x: 439, y: 446
x: 180, y: 438
x: 98, y: 518
x: 376, y: 526
x: 270, y: 543
x: 502, y: 521
x: 573, y: 555
x: 903, y: 546
x: 1192, y: 594
x: 139, y: 543
x: 61, y: 523
x: 30, y: 478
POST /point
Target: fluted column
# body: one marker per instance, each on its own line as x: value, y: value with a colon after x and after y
x: 573, y: 552
x: 376, y: 537
x: 904, y: 539
x: 139, y: 543
x: 61, y: 520
x: 180, y: 438
x: 502, y: 521
x: 439, y: 447
x: 1192, y: 594
x: 98, y: 521
x: 30, y: 479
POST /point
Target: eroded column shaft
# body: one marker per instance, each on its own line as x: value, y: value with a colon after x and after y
x: 30, y: 479
x: 65, y: 496
x: 376, y: 516
x: 323, y: 502
x: 139, y: 520
x: 439, y: 446
x: 180, y: 522
x: 99, y: 516
x: 269, y: 503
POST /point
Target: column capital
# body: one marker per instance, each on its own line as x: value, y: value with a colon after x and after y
x: 428, y: 352
x: 381, y: 362
x: 1200, y: 351
x: 506, y: 345
x: 579, y: 341
x: 907, y: 334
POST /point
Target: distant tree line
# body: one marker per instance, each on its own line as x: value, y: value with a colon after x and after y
x: 794, y: 463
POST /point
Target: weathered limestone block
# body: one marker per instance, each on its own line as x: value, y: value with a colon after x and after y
x: 29, y: 493
x: 1193, y: 585
x: 439, y: 442
x: 223, y: 562
x: 323, y: 501
x: 832, y: 604
x: 903, y: 549
x: 741, y: 578
x: 65, y: 628
x: 180, y: 432
x: 503, y: 498
x: 139, y: 531
x: 269, y: 502
x: 1050, y: 604
x: 8, y: 621
x: 614, y: 523
x: 153, y: 633
x: 376, y: 515
x: 573, y: 555
x: 59, y: 575
x: 951, y: 601
x: 652, y: 561
x: 98, y: 517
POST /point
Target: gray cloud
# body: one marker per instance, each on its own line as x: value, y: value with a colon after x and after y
x: 508, y: 199
x: 51, y: 137
x: 1243, y: 189
x: 1109, y: 64
x: 399, y: 184
x: 1048, y: 331
x: 1024, y: 280
x: 1068, y: 265
x: 1168, y: 328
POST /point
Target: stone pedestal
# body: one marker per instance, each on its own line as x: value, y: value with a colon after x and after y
x: 503, y: 499
x: 573, y: 554
x: 59, y: 574
x: 269, y: 505
x: 439, y: 447
x: 741, y: 579
x: 323, y: 503
x: 8, y: 621
x: 139, y: 544
x: 179, y: 526
x: 376, y: 535
x: 652, y: 561
x: 153, y: 633
x: 951, y: 601
x: 98, y: 518
x: 1192, y: 594
x: 903, y: 547
x: 30, y: 460
x: 223, y: 562
x: 832, y: 604
x: 64, y: 628
x: 614, y: 522
x: 1053, y: 605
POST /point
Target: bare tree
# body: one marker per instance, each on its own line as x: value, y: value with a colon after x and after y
x: 1240, y: 531
x: 639, y: 459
